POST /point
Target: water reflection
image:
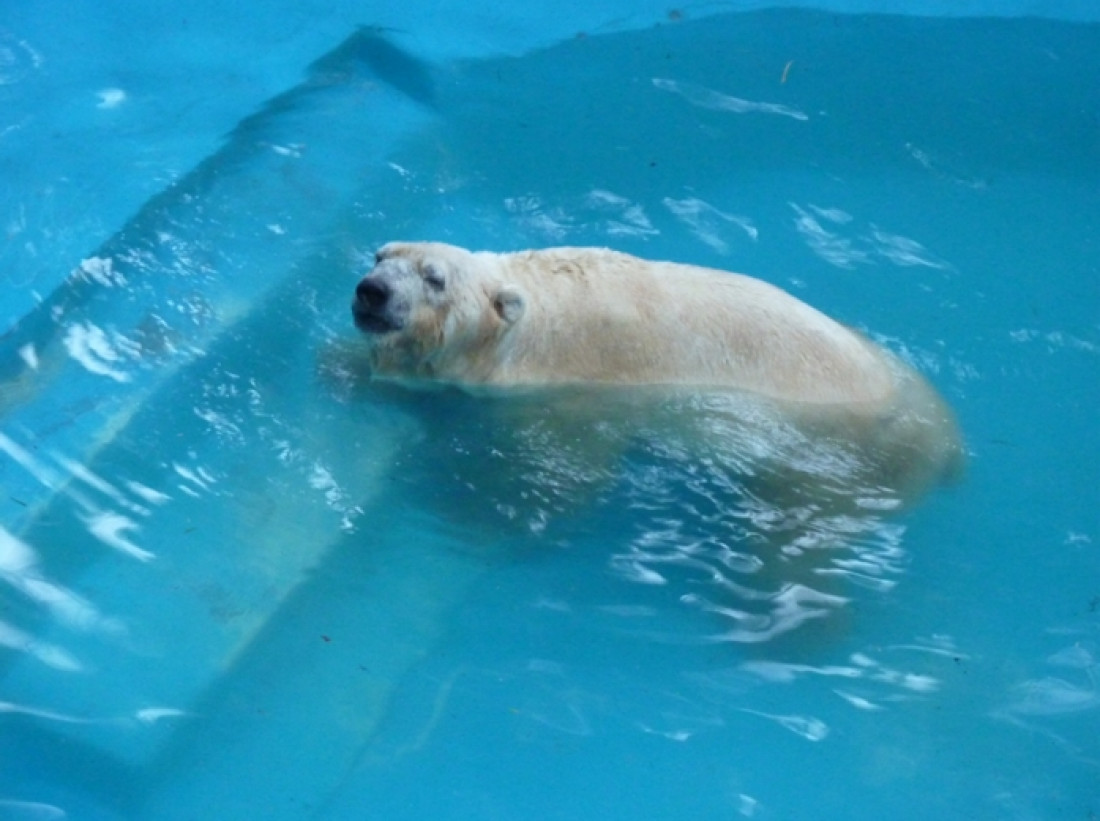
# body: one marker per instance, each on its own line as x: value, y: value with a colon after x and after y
x: 1051, y: 696
x: 605, y: 212
x: 109, y: 526
x: 1054, y: 695
x: 835, y: 236
x: 808, y: 727
x: 147, y: 715
x: 708, y: 223
x: 19, y: 568
x: 97, y: 504
x: 30, y: 810
x: 1062, y: 704
x: 716, y: 101
x: 861, y: 666
x: 44, y: 652
x: 757, y: 519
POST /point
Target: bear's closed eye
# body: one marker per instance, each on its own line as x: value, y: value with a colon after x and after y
x: 434, y: 277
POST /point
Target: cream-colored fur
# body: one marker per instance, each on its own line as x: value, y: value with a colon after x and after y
x: 590, y: 315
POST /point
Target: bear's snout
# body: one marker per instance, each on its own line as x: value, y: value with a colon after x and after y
x: 373, y: 293
x: 374, y: 306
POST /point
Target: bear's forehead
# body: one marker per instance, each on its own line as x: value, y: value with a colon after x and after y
x: 419, y: 252
x: 394, y: 249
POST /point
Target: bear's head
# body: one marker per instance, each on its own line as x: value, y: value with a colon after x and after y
x: 434, y: 310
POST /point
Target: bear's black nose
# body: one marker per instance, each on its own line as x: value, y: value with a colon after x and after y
x: 372, y: 292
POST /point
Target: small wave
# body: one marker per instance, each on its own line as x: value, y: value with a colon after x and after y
x: 708, y: 223
x: 704, y: 97
x: 1052, y: 696
x: 829, y: 245
x: 600, y: 211
x: 98, y: 351
x: 15, y: 810
x: 774, y: 536
x: 18, y: 58
x: 808, y: 727
x: 821, y: 229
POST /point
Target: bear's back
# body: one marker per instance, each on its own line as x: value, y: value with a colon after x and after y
x: 596, y: 315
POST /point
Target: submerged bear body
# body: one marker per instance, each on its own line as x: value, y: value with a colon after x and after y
x: 590, y: 316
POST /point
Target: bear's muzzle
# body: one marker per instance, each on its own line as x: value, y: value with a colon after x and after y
x: 372, y: 308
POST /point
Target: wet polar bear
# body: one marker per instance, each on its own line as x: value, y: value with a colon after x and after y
x: 593, y: 316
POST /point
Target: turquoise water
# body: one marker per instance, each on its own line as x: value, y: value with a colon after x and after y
x: 239, y: 581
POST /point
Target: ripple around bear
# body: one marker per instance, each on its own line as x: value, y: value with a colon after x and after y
x: 591, y: 316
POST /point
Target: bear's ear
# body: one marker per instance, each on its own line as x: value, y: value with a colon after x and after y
x: 385, y: 252
x: 509, y: 304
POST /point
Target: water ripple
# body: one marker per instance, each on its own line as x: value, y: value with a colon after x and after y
x: 16, y: 810
x: 18, y: 58
x: 776, y: 535
x: 704, y: 97
x: 833, y: 235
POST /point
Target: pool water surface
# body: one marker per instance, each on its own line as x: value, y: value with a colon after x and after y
x: 239, y: 579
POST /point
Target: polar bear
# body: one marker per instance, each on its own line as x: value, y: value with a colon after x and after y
x: 593, y: 316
